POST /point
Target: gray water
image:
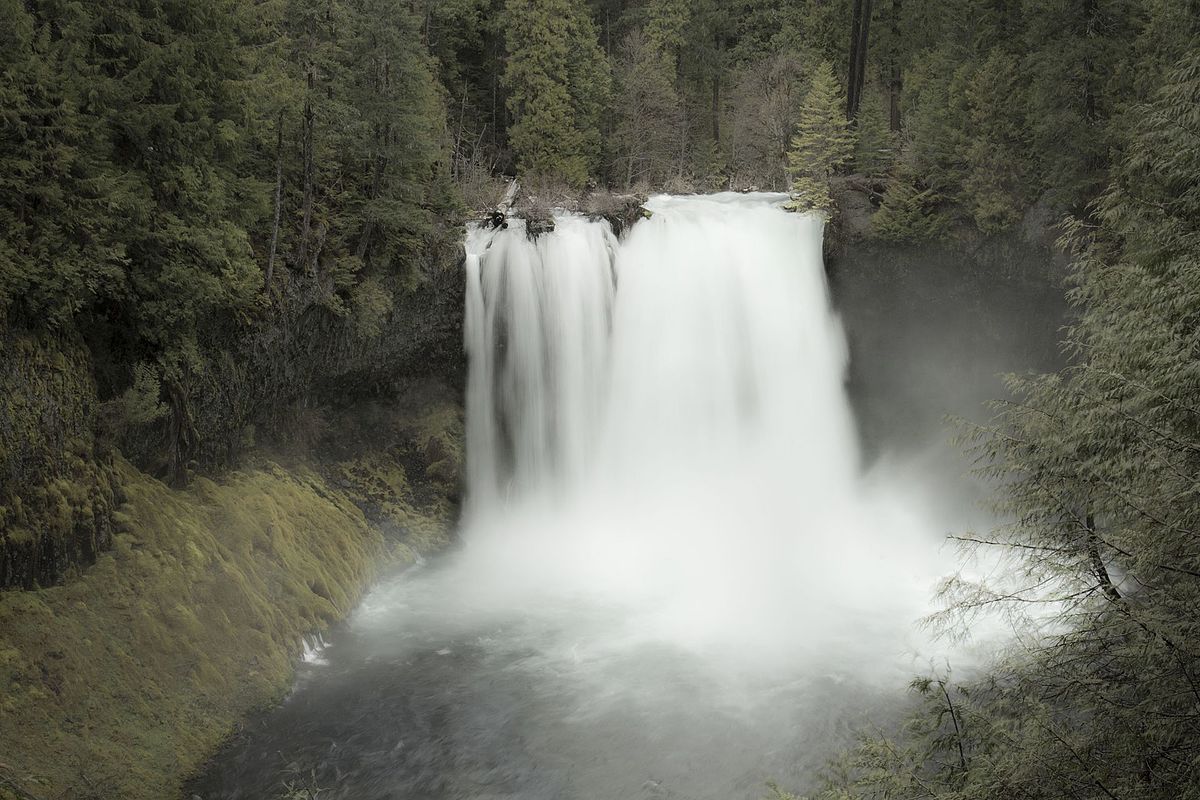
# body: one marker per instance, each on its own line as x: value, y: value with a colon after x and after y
x: 422, y: 696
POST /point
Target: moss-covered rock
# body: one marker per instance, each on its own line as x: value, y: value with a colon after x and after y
x: 401, y: 462
x: 120, y: 682
x: 621, y: 211
x: 58, y: 487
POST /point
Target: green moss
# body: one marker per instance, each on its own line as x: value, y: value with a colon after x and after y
x: 381, y: 488
x: 405, y: 470
x: 120, y: 682
x: 57, y: 487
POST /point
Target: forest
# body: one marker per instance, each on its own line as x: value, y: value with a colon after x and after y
x: 222, y: 221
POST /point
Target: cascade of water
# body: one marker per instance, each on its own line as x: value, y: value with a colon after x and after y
x: 537, y: 328
x: 723, y: 338
x: 663, y: 421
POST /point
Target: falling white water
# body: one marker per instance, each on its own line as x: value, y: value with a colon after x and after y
x: 659, y: 425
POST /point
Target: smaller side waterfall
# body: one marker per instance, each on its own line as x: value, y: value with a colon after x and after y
x: 538, y: 320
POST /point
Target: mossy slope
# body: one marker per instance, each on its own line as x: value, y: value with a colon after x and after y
x: 121, y: 682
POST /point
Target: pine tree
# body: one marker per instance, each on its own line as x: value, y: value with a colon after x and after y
x: 1075, y: 59
x: 1001, y: 179
x: 666, y: 28
x: 1096, y: 468
x: 589, y: 81
x: 61, y: 198
x: 823, y: 141
x: 396, y: 139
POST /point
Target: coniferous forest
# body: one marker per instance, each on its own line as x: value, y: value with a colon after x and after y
x: 231, y: 317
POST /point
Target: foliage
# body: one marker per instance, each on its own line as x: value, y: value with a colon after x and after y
x: 767, y: 101
x: 1097, y: 465
x: 667, y: 28
x: 908, y: 212
x: 823, y: 141
x: 647, y: 135
x: 1007, y: 103
x: 126, y: 678
x: 59, y: 489
x: 875, y: 146
x: 557, y: 81
x: 190, y: 186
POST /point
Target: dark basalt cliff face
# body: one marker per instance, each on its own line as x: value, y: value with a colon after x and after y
x: 58, y: 487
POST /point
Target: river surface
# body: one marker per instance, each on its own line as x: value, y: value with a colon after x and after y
x: 422, y: 695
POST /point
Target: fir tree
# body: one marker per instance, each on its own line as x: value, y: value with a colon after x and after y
x: 395, y: 142
x: 1096, y: 467
x: 589, y: 79
x: 908, y: 212
x: 823, y: 141
x: 667, y: 28
x: 554, y: 129
x: 875, y: 145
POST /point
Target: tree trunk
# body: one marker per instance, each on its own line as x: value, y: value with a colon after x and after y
x: 1099, y: 569
x: 719, y: 46
x: 860, y: 30
x: 181, y: 433
x: 1091, y: 13
x: 382, y: 138
x: 364, y: 242
x: 896, y: 80
x: 716, y: 108
x: 278, y: 203
x: 307, y: 146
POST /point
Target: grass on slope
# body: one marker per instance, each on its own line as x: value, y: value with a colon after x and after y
x: 122, y: 681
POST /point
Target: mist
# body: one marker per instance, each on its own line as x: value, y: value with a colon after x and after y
x: 697, y: 465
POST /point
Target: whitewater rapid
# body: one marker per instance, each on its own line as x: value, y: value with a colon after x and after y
x: 660, y: 423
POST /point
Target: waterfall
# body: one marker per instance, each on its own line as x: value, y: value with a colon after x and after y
x: 661, y: 421
x: 539, y: 315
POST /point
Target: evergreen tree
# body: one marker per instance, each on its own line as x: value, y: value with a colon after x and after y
x: 1097, y: 469
x: 823, y: 141
x: 1076, y: 60
x: 61, y: 199
x: 667, y: 28
x: 875, y: 146
x: 908, y: 212
x: 396, y: 142
x: 1001, y: 179
x: 554, y: 130
x: 589, y: 79
x: 158, y: 158
x: 767, y: 99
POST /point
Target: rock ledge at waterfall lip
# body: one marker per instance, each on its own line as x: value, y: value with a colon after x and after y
x: 537, y: 203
